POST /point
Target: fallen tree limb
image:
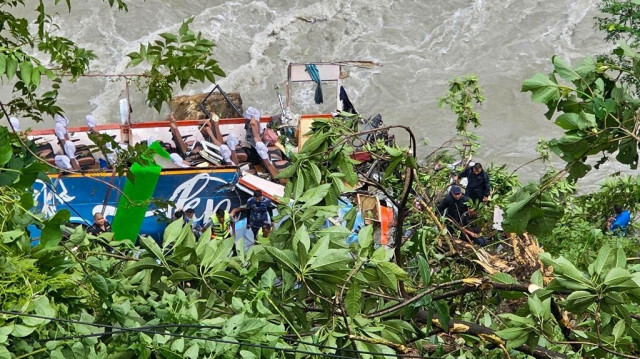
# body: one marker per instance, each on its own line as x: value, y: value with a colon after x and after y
x: 469, y: 285
x: 487, y: 334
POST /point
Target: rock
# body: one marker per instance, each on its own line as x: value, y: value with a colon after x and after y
x: 186, y: 107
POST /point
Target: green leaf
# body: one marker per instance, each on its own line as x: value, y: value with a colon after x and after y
x: 302, y: 237
x: 575, y: 121
x: 10, y: 236
x: 21, y: 331
x: 172, y: 232
x: 387, y: 277
x: 315, y: 171
x: 4, y: 353
x: 142, y: 264
x: 618, y: 329
x: 192, y: 352
x: 182, y: 276
x: 353, y: 300
x: 43, y: 308
x: 25, y: 72
x: 35, y: 76
x: 289, y: 171
x: 530, y: 339
x: 350, y: 175
x: 586, y: 69
x: 616, y: 276
x: 313, y: 143
x: 3, y: 63
x: 564, y: 70
x: 579, y: 301
x: 392, y: 268
x: 57, y: 354
x: 267, y: 279
x: 331, y: 260
x: 12, y: 67
x: 566, y: 269
x: 100, y: 285
x: 284, y: 257
x: 443, y: 314
x: 603, y: 255
x: 178, y: 345
x: 298, y: 187
x: 503, y: 278
x: 217, y: 252
x: 78, y: 236
x: 543, y: 89
x: 169, y: 37
x: 511, y: 333
x: 314, y: 195
x: 535, y: 306
x: 151, y: 245
x: 537, y: 278
x: 365, y: 237
x: 51, y: 233
x: 425, y: 271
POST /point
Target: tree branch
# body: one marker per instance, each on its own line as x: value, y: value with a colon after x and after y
x: 488, y: 334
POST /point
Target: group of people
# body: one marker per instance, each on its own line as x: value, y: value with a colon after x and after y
x: 222, y: 222
x: 67, y: 159
x: 455, y: 205
x: 254, y: 149
x: 462, y: 217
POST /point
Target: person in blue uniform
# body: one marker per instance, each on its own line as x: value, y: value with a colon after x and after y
x: 260, y: 211
x: 619, y: 223
x: 478, y: 185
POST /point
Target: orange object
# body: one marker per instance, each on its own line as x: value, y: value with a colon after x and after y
x: 386, y: 220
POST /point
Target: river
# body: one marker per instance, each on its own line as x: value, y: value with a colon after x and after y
x: 420, y: 45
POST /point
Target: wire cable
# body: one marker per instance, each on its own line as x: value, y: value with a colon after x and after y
x: 148, y: 330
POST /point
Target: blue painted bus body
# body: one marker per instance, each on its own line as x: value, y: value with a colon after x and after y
x: 204, y: 190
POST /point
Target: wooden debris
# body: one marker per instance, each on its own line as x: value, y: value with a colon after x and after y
x: 186, y: 107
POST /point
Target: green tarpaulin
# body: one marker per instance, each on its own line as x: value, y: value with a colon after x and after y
x: 134, y: 202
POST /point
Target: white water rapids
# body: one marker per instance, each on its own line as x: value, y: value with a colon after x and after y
x: 419, y: 44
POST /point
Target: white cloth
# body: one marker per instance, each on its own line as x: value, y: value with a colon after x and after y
x: 178, y: 160
x: 61, y: 119
x: 124, y: 110
x: 263, y: 151
x: 225, y: 151
x: 150, y: 140
x: 61, y: 126
x: 60, y: 130
x: 232, y: 141
x: 70, y: 149
x: 15, y: 123
x: 91, y: 121
x: 63, y: 162
x: 252, y: 112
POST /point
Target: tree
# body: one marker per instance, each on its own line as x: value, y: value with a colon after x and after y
x: 172, y: 60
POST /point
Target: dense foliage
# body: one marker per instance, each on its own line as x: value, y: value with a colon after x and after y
x: 317, y: 286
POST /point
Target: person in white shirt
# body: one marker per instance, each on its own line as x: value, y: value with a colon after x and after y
x: 60, y: 128
x: 178, y: 160
x: 63, y: 162
x: 70, y: 151
x: 91, y: 123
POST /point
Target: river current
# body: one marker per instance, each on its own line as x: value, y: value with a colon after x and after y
x: 419, y: 45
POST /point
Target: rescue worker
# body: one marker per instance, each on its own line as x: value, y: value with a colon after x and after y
x: 260, y: 212
x: 478, y: 185
x: 221, y: 225
x: 453, y: 206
